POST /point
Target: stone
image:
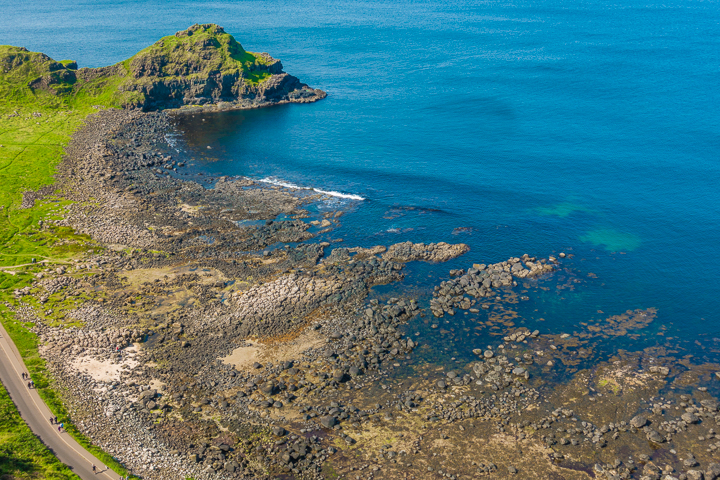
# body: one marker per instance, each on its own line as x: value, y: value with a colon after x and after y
x: 638, y: 421
x: 664, y: 371
x: 713, y: 471
x: 268, y: 388
x: 653, y: 435
x: 328, y: 421
x: 694, y: 475
x: 690, y: 418
x: 488, y: 354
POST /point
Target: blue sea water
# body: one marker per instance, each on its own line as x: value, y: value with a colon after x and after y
x: 585, y: 127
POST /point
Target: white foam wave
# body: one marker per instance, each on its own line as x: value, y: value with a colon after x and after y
x: 340, y: 195
x: 332, y: 193
x: 281, y: 183
x: 172, y: 142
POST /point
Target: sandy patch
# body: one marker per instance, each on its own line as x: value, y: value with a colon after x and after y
x: 101, y: 370
x: 176, y: 300
x: 191, y: 209
x: 242, y: 358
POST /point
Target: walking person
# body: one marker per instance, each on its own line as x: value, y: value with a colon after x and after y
x: 55, y: 419
x: 93, y: 467
x: 29, y: 385
x: 51, y: 420
x: 32, y: 384
x: 59, y: 429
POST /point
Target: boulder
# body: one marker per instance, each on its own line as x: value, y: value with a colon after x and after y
x: 653, y: 435
x: 690, y: 418
x: 638, y: 421
x: 328, y: 421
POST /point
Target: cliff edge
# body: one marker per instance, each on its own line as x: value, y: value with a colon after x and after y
x: 200, y: 66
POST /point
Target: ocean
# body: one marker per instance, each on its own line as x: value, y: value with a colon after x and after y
x: 589, y: 128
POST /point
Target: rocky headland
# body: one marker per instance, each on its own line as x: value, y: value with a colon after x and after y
x: 208, y: 334
x: 199, y: 67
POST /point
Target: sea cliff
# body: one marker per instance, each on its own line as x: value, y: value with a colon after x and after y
x: 200, y: 66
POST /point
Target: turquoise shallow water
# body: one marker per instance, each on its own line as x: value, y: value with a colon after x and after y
x: 515, y: 127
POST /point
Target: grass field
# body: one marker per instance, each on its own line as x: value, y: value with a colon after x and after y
x: 35, y: 128
x: 22, y: 455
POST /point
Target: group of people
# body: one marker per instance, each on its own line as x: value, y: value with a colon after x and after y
x: 30, y: 384
x: 54, y: 421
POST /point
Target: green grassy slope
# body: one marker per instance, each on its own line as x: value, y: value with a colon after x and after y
x: 22, y: 454
x: 36, y: 124
x: 197, y: 52
x: 44, y: 101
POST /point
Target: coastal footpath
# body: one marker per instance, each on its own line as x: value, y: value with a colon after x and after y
x: 195, y: 327
x: 37, y: 415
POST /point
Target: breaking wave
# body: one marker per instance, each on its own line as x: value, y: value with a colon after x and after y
x: 332, y: 193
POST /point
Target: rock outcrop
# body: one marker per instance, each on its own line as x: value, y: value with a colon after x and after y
x: 203, y: 65
x: 200, y: 66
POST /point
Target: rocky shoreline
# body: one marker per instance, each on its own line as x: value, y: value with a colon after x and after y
x: 209, y: 336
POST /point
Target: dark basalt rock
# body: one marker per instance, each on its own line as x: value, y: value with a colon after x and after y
x: 328, y: 421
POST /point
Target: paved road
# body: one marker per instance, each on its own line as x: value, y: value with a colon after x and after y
x: 34, y: 411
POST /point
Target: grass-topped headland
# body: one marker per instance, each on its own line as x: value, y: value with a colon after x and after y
x: 198, y: 66
x: 200, y: 51
x: 44, y: 101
